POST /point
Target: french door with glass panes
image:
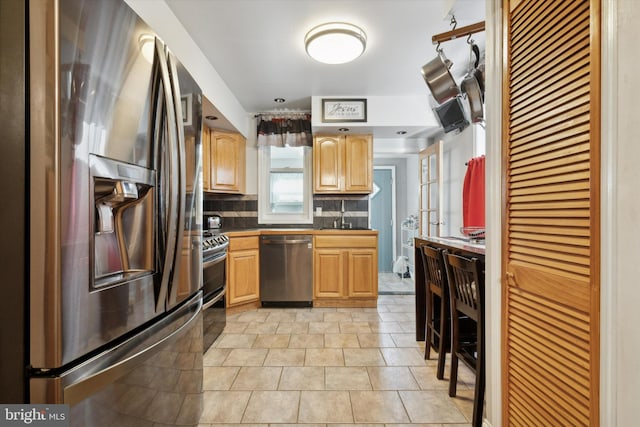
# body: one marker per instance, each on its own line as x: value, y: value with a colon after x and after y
x: 431, y: 190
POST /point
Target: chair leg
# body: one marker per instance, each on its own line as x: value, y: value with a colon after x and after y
x: 478, y: 398
x: 442, y: 344
x: 427, y: 340
x: 453, y: 378
x: 428, y: 329
x: 478, y: 395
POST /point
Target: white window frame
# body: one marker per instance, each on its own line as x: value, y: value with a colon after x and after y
x: 265, y: 216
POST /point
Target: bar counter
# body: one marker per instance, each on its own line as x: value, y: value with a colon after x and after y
x: 455, y: 246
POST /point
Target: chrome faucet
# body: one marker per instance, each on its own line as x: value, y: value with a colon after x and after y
x: 342, y: 223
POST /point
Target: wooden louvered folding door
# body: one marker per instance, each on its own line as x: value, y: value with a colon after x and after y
x: 551, y: 140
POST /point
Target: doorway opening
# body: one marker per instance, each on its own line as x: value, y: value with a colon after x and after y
x: 382, y: 207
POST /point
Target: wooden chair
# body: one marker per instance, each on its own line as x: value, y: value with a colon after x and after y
x: 466, y: 289
x: 437, y: 324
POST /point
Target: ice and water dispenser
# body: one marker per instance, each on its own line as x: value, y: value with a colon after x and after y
x: 124, y: 223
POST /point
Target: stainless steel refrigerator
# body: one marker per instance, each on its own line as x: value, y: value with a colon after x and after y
x: 102, y: 159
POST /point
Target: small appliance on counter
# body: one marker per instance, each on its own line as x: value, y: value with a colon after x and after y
x: 214, y: 222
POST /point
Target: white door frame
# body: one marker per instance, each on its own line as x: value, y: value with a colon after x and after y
x: 493, y: 193
x: 394, y: 223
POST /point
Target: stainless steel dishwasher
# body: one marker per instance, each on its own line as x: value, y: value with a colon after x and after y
x: 286, y: 273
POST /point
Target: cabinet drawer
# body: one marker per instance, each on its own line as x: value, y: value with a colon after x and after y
x: 345, y: 241
x: 242, y: 243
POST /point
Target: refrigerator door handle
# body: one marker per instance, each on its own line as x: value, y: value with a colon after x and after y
x: 168, y: 261
x: 181, y: 167
x: 88, y: 378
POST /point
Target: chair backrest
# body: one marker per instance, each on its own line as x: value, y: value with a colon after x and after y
x: 466, y: 285
x: 435, y: 272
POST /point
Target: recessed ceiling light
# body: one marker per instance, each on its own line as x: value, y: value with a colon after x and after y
x: 335, y: 42
x: 279, y: 100
x: 343, y: 129
x: 211, y: 117
x: 401, y: 132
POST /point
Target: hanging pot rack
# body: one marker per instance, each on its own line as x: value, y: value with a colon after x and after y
x: 457, y: 33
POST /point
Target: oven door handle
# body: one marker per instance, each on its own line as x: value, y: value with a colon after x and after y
x: 216, y: 259
x: 215, y: 299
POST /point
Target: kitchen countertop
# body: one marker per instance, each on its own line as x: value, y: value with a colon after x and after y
x: 457, y: 243
x: 311, y: 231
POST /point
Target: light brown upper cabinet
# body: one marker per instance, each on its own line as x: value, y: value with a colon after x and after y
x: 224, y: 161
x: 343, y: 164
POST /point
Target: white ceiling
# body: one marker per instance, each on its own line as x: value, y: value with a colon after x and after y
x: 257, y: 48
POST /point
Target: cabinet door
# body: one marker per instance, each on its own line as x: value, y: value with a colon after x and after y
x: 328, y: 280
x: 327, y: 160
x: 243, y: 282
x: 227, y: 162
x: 358, y: 164
x: 363, y: 273
x: 206, y: 158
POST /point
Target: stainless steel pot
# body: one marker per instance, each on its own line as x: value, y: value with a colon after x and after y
x: 438, y: 78
x: 472, y: 86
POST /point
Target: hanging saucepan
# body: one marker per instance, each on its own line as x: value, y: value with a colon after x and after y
x: 472, y: 87
x: 440, y: 81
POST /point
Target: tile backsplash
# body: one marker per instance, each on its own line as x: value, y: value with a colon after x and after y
x: 241, y: 212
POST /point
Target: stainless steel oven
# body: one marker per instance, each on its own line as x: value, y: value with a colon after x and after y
x: 214, y: 285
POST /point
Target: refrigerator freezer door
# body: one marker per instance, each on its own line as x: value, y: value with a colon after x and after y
x: 154, y: 377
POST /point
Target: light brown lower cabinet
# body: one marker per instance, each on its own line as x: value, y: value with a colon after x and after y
x: 345, y: 271
x: 243, y: 271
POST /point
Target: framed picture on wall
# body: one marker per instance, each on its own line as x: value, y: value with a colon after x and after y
x: 344, y: 110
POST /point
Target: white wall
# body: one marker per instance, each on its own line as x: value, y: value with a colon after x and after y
x: 162, y: 20
x: 385, y: 111
x: 457, y: 149
x: 252, y: 158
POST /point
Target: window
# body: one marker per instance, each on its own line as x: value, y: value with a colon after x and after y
x: 284, y: 187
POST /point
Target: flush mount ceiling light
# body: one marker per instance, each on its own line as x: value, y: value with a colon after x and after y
x: 335, y: 42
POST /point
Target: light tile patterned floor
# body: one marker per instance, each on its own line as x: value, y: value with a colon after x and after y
x: 393, y: 284
x: 329, y: 366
